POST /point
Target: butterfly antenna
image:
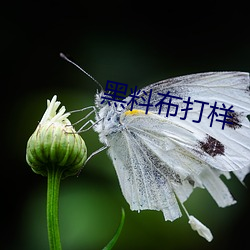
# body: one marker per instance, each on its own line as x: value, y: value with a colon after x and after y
x: 68, y: 60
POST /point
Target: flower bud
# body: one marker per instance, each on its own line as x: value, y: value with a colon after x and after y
x: 55, y: 144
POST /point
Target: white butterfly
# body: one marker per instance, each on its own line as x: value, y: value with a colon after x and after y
x: 159, y: 160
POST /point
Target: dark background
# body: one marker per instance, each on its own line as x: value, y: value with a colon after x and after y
x: 136, y: 43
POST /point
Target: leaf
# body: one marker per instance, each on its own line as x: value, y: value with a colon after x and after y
x: 117, y: 234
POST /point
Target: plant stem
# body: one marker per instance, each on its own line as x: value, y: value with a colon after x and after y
x: 54, y: 177
x: 117, y: 234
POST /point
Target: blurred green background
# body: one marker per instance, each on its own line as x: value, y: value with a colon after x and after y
x: 136, y: 43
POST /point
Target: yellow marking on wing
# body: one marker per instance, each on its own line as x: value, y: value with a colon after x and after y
x: 135, y: 112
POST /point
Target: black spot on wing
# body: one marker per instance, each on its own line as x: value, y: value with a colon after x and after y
x: 234, y: 120
x: 248, y: 89
x: 190, y: 181
x: 212, y: 146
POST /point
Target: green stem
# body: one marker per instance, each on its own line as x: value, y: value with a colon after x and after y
x: 54, y: 177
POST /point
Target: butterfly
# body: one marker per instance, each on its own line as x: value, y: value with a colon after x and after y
x: 160, y: 157
x: 159, y: 160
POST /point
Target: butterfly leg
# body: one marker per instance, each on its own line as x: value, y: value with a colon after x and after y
x: 96, y: 152
x: 91, y: 155
x: 81, y: 129
x: 86, y: 116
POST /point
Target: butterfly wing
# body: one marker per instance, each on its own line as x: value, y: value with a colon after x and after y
x: 226, y: 149
x: 153, y: 168
x: 142, y: 184
x: 158, y: 158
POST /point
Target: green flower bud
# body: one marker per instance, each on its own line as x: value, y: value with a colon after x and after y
x: 55, y: 144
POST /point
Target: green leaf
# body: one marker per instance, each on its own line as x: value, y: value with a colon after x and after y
x: 117, y: 234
